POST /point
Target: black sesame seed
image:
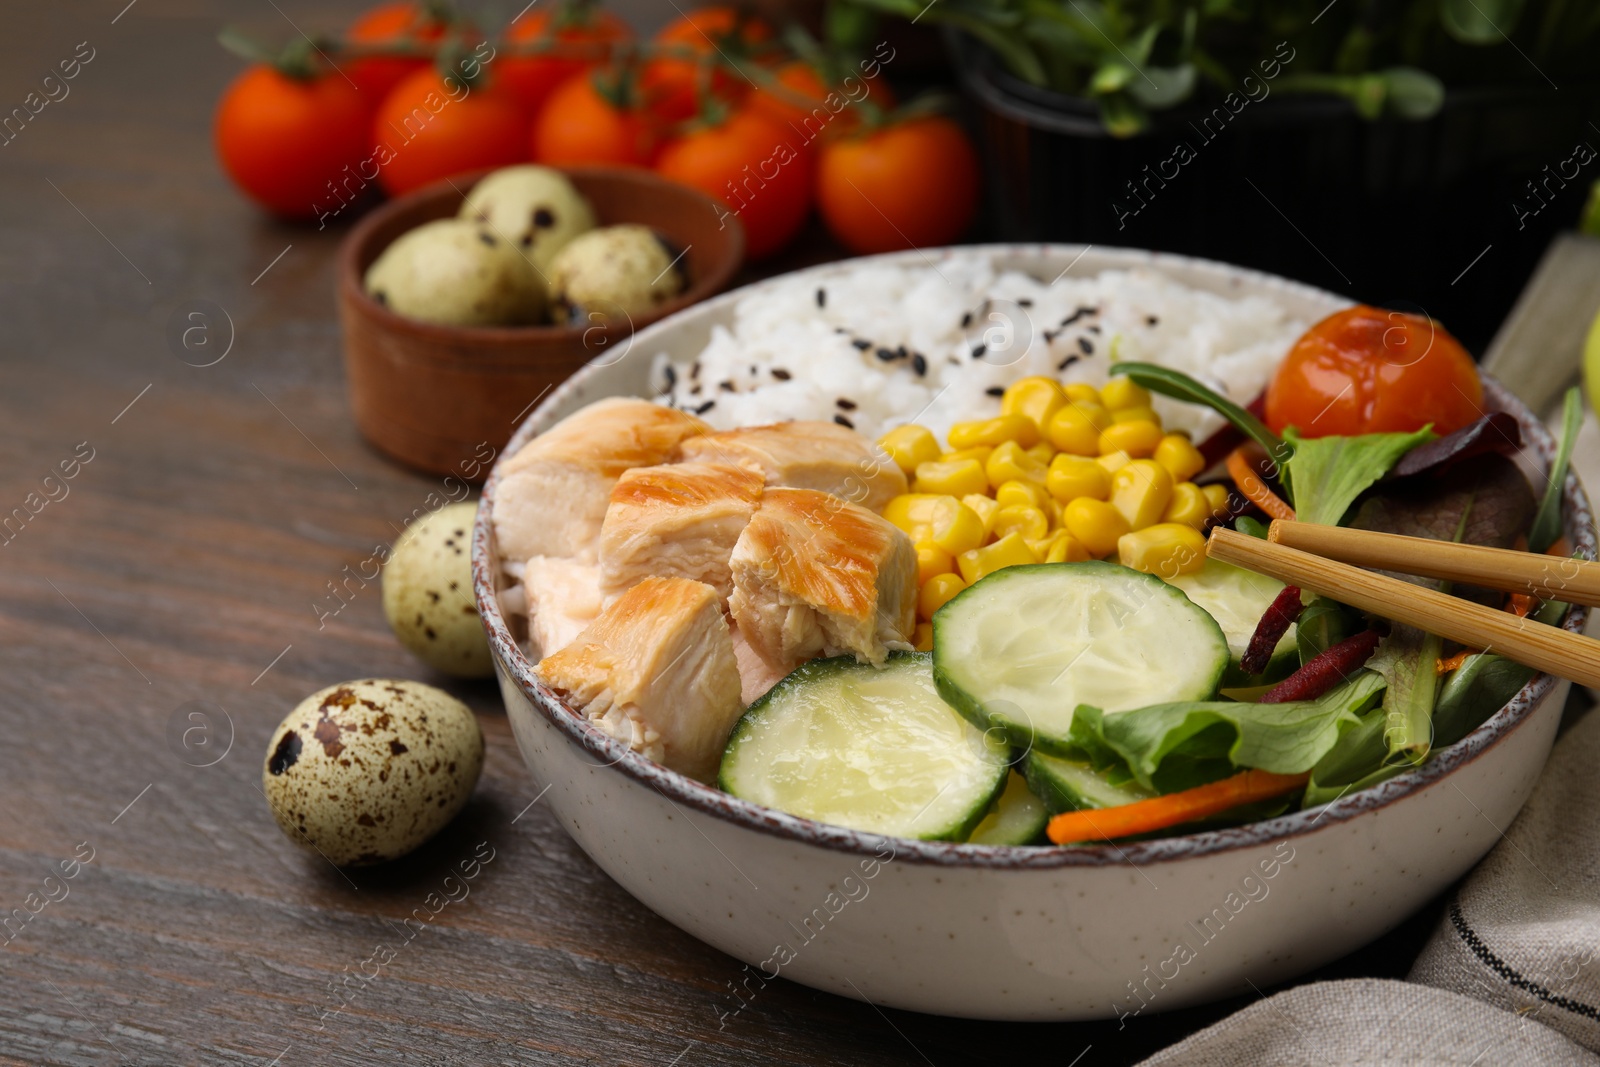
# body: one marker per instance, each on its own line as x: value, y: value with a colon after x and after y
x: 1086, y: 346
x: 840, y: 329
x: 1049, y: 338
x: 996, y: 390
x: 670, y: 375
x: 979, y: 349
x: 1025, y: 303
x: 822, y: 298
x: 900, y: 352
x: 1094, y: 327
x: 966, y: 320
x: 885, y: 354
x: 844, y: 403
x: 726, y: 387
x: 1151, y: 320
x: 707, y: 406
x: 919, y: 363
x: 694, y: 371
x: 1064, y: 364
x: 694, y: 390
x: 842, y: 421
x: 862, y: 343
x: 781, y: 374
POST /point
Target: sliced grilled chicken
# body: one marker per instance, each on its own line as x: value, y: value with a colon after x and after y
x: 562, y: 597
x: 553, y: 494
x: 656, y: 671
x: 676, y: 521
x: 814, y: 575
x: 823, y: 456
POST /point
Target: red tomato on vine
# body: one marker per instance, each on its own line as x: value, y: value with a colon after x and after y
x: 710, y: 38
x: 284, y: 140
x: 908, y: 185
x: 584, y: 38
x: 580, y: 125
x: 431, y: 127
x: 387, y: 24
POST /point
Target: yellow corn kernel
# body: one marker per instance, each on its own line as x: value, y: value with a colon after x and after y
x: 1217, y: 497
x: 1010, y: 463
x: 910, y: 445
x: 1112, y: 462
x: 938, y: 591
x: 1141, y: 491
x: 1059, y: 547
x: 1082, y: 393
x: 922, y: 640
x: 1140, y: 414
x: 1052, y: 511
x: 1137, y: 439
x: 1072, y: 430
x: 1182, y: 460
x: 1044, y: 452
x: 994, y: 432
x: 932, y: 561
x: 981, y: 454
x: 1123, y: 393
x: 1094, y: 524
x: 1070, y: 477
x: 956, y: 478
x: 1009, y: 551
x: 1013, y: 493
x: 940, y: 520
x: 984, y: 507
x: 1188, y: 506
x: 1030, y: 522
x: 1166, y: 550
x: 1036, y: 397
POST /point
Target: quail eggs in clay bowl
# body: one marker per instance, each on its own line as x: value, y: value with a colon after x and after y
x: 459, y: 311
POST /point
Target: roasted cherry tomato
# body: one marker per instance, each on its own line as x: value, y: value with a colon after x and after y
x: 756, y: 166
x: 583, y: 37
x: 831, y: 106
x: 580, y: 125
x: 672, y: 87
x: 909, y: 185
x: 285, y: 142
x: 376, y: 76
x: 1368, y: 370
x: 431, y: 127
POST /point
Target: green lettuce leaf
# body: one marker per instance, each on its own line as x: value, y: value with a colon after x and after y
x: 1408, y: 660
x: 1325, y: 475
x: 1176, y: 746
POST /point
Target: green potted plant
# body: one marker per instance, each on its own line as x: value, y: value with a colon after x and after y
x: 1373, y: 146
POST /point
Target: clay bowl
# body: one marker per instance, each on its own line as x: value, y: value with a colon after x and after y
x: 440, y: 397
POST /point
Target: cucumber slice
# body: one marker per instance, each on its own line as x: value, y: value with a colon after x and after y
x: 1022, y: 648
x: 1018, y: 817
x: 871, y: 748
x: 1237, y: 599
x: 1069, y: 785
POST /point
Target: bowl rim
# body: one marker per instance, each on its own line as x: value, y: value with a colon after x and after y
x: 683, y: 791
x: 355, y: 295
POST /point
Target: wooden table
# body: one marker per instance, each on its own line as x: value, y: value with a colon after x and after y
x: 183, y: 564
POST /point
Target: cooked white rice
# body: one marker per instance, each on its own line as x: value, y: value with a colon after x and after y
x: 878, y: 346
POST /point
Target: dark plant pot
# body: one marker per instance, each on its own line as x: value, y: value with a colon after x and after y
x: 1391, y: 212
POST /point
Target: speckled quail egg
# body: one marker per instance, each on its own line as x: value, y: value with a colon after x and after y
x: 457, y: 273
x: 616, y: 269
x: 535, y: 208
x: 427, y: 593
x: 366, y: 771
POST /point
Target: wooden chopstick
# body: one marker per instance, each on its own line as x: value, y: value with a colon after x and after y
x: 1546, y: 577
x: 1531, y: 643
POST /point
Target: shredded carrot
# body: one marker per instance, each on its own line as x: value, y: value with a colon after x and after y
x: 1453, y: 663
x: 1244, y: 474
x: 1559, y: 547
x: 1174, y: 809
x: 1519, y: 604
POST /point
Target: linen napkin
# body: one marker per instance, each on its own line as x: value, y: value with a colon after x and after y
x: 1510, y: 976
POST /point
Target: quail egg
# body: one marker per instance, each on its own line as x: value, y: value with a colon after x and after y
x: 427, y: 593
x: 626, y: 270
x: 457, y: 273
x: 366, y: 771
x: 535, y: 208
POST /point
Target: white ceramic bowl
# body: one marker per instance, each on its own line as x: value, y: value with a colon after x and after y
x: 1003, y: 932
